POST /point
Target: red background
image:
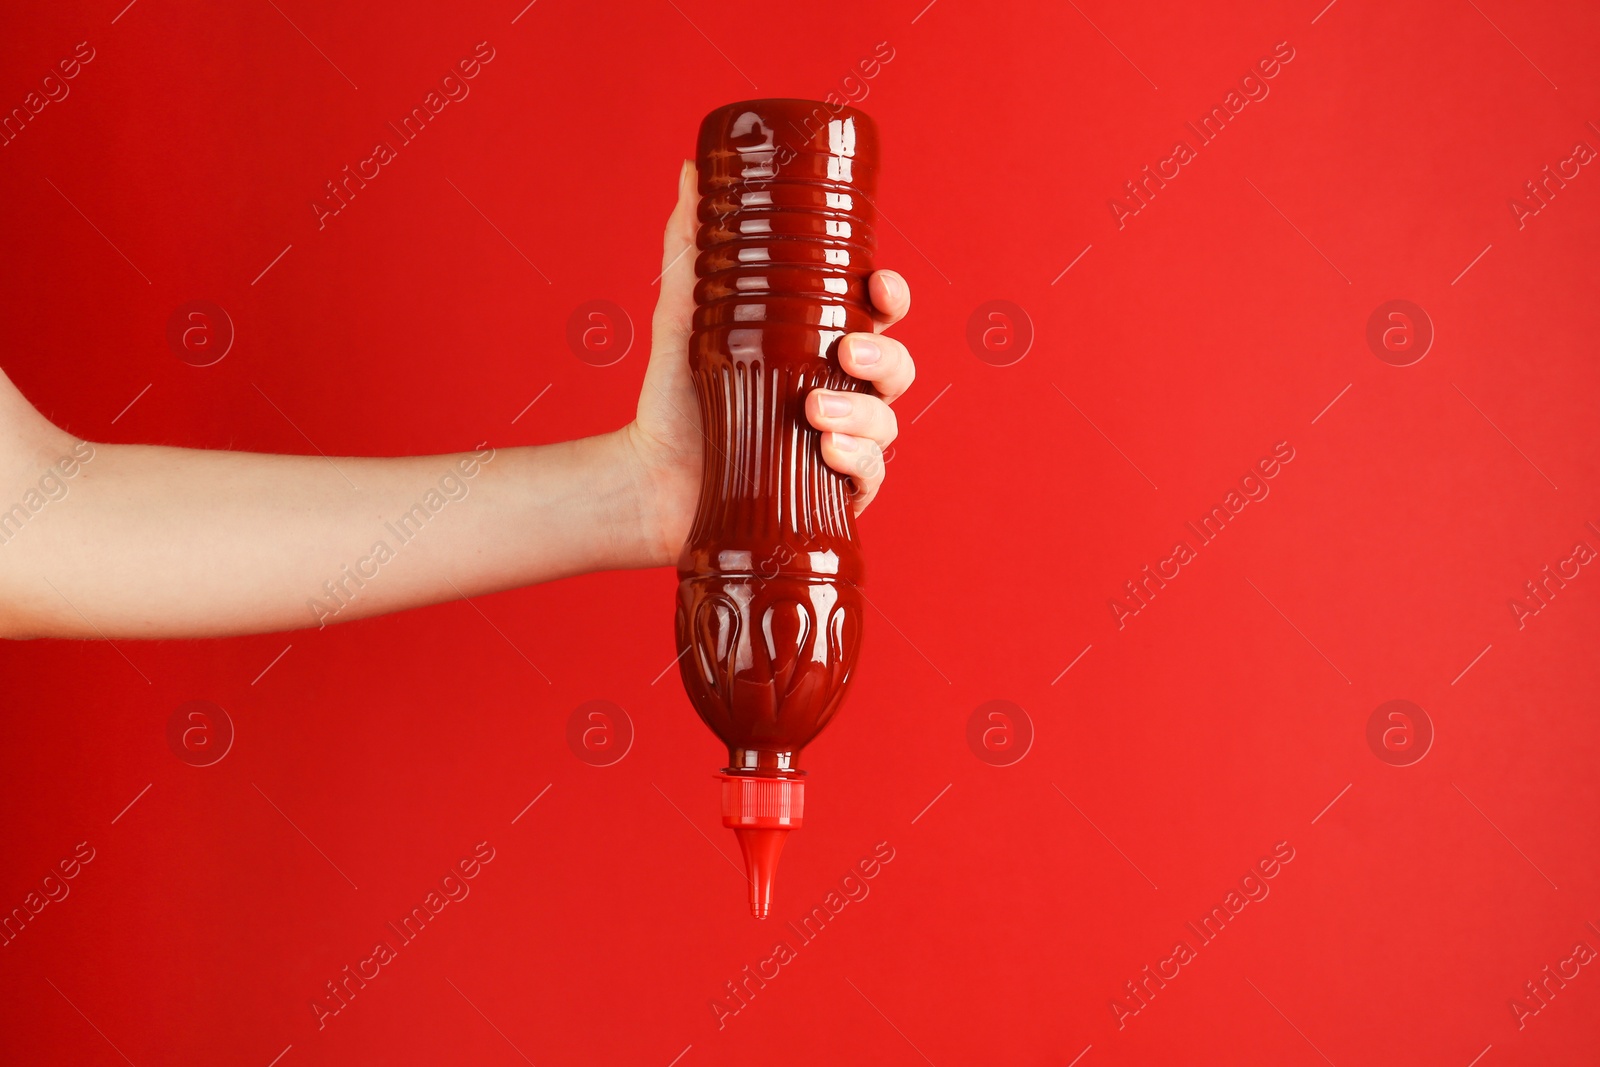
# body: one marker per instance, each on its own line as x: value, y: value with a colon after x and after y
x: 1222, y: 719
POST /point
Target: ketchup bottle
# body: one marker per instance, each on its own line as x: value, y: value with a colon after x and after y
x: 769, y: 618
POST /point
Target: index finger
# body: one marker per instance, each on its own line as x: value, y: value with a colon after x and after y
x: 891, y: 298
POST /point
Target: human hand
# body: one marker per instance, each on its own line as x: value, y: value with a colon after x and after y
x: 666, y: 440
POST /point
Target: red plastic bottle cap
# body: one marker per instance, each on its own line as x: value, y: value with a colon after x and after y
x: 768, y: 803
x: 761, y: 812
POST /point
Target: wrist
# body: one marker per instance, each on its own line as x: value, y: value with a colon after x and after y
x: 641, y: 538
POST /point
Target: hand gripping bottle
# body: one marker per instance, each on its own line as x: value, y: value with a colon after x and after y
x: 769, y: 618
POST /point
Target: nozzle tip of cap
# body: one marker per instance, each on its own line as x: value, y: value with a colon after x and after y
x: 762, y: 849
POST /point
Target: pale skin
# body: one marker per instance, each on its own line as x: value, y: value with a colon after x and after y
x: 157, y: 542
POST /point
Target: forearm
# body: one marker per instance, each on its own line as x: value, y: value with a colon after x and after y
x: 150, y: 542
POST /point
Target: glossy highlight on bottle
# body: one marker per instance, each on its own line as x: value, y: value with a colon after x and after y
x: 768, y: 616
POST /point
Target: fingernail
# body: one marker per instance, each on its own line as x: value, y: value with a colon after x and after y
x: 865, y: 352
x: 684, y: 173
x: 891, y: 286
x: 834, y: 405
x: 844, y: 442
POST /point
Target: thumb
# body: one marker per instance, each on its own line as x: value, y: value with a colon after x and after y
x: 675, y: 306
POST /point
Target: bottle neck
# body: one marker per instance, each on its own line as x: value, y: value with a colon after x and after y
x: 763, y: 763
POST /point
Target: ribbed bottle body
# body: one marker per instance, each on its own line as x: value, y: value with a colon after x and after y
x: 768, y: 618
